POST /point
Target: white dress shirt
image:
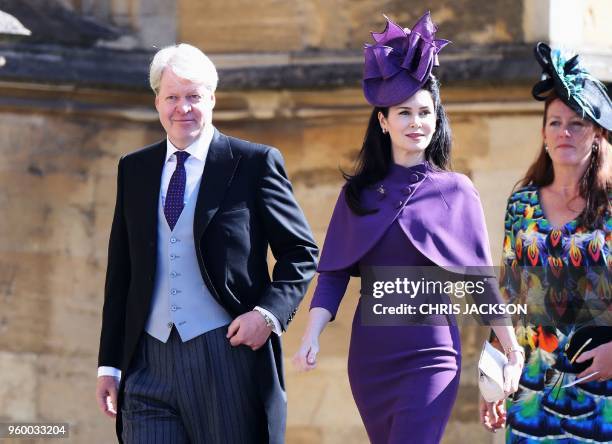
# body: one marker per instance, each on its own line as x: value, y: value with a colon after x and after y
x: 194, y: 164
x: 194, y: 167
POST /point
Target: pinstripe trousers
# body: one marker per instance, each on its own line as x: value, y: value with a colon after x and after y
x: 203, y: 391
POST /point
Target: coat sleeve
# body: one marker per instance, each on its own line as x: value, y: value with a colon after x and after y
x: 117, y: 284
x: 290, y: 239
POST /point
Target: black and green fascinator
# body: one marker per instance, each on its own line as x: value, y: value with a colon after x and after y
x: 573, y: 84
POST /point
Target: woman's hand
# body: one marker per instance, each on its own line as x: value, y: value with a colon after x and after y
x: 305, y: 358
x: 601, y: 365
x: 512, y: 372
x: 516, y: 356
x: 492, y: 414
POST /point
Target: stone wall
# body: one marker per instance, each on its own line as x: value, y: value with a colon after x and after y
x: 57, y: 179
x: 64, y: 122
x: 336, y: 24
x: 243, y: 26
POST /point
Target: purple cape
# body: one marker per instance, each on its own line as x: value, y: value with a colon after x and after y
x: 439, y: 211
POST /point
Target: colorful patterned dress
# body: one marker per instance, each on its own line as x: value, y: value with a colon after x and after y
x: 563, y: 274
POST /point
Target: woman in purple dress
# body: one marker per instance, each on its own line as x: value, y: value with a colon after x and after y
x: 402, y: 207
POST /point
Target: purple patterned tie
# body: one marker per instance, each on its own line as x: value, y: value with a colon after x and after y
x: 176, y: 190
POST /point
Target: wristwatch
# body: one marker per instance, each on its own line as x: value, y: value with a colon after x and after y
x: 267, y: 319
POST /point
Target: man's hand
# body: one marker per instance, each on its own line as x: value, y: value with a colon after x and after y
x: 249, y: 329
x: 601, y: 365
x: 107, y: 387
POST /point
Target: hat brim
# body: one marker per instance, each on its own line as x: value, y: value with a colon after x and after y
x: 599, y: 110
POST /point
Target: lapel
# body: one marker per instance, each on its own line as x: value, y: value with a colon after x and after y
x: 149, y: 182
x: 216, y: 178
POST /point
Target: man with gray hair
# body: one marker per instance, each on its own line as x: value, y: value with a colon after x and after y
x: 186, y: 350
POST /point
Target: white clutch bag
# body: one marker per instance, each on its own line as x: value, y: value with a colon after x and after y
x: 491, y: 373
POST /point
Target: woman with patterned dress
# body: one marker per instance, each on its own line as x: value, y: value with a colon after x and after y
x: 402, y: 208
x: 557, y: 259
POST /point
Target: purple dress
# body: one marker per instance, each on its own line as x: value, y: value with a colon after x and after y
x: 404, y: 379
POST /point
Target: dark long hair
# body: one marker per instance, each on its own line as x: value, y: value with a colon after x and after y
x: 595, y: 184
x: 375, y: 157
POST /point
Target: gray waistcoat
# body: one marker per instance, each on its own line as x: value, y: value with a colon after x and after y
x: 180, y: 297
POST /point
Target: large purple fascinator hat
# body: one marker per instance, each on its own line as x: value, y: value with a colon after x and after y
x: 400, y: 61
x: 573, y: 84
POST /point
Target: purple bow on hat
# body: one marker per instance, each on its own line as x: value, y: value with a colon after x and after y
x: 400, y: 61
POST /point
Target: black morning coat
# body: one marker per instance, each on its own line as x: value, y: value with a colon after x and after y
x: 245, y: 204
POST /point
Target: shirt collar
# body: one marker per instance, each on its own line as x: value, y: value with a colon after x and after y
x: 199, y: 147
